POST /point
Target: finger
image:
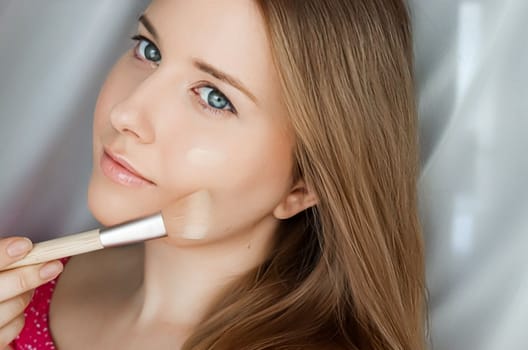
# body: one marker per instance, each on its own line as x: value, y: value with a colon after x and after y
x: 10, y: 331
x: 18, y: 281
x: 13, y: 249
x: 14, y: 307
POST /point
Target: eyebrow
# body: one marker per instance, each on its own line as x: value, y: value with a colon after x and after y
x: 146, y: 22
x: 226, y: 78
x: 204, y: 66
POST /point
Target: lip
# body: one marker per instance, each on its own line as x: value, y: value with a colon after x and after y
x: 119, y: 170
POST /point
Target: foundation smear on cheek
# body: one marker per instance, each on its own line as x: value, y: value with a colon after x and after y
x: 198, y: 213
x: 198, y: 216
x: 204, y: 158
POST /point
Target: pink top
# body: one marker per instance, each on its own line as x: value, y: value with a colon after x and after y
x: 36, y: 333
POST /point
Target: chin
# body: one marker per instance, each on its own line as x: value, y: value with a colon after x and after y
x: 112, y: 208
x: 106, y: 214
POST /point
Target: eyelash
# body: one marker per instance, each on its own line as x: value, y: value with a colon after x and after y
x: 231, y: 109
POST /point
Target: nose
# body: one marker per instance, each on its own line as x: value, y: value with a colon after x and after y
x: 130, y: 119
x: 134, y: 116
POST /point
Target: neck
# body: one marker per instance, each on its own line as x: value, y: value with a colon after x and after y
x: 181, y: 282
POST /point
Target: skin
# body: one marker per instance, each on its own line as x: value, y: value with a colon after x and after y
x: 17, y: 286
x: 238, y: 165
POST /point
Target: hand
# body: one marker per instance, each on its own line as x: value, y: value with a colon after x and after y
x: 17, y: 286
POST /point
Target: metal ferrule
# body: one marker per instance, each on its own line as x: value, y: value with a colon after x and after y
x: 133, y: 231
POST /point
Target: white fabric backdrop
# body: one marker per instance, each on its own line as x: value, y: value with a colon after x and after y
x: 54, y: 56
x: 472, y: 71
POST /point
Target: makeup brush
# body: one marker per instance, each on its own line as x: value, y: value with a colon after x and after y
x: 150, y: 227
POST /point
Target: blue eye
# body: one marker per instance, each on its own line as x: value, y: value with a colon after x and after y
x: 214, y: 100
x: 146, y: 50
x: 210, y: 98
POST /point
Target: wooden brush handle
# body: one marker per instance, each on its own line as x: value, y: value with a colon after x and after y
x: 59, y: 248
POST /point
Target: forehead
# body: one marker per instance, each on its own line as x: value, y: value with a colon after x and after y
x: 228, y: 34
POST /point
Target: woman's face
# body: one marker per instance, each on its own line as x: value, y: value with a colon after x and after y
x: 195, y: 107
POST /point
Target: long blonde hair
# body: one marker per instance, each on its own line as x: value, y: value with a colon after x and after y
x: 348, y: 273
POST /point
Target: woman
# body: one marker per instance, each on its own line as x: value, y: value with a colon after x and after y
x: 297, y: 121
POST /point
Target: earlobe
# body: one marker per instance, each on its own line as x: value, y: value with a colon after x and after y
x: 299, y: 199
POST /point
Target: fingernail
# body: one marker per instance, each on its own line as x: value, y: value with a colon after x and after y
x: 18, y: 247
x: 50, y: 270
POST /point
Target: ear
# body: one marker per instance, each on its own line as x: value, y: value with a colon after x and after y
x: 298, y: 199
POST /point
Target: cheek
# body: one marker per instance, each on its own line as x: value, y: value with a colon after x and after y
x: 265, y: 175
x: 232, y: 156
x: 246, y: 174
